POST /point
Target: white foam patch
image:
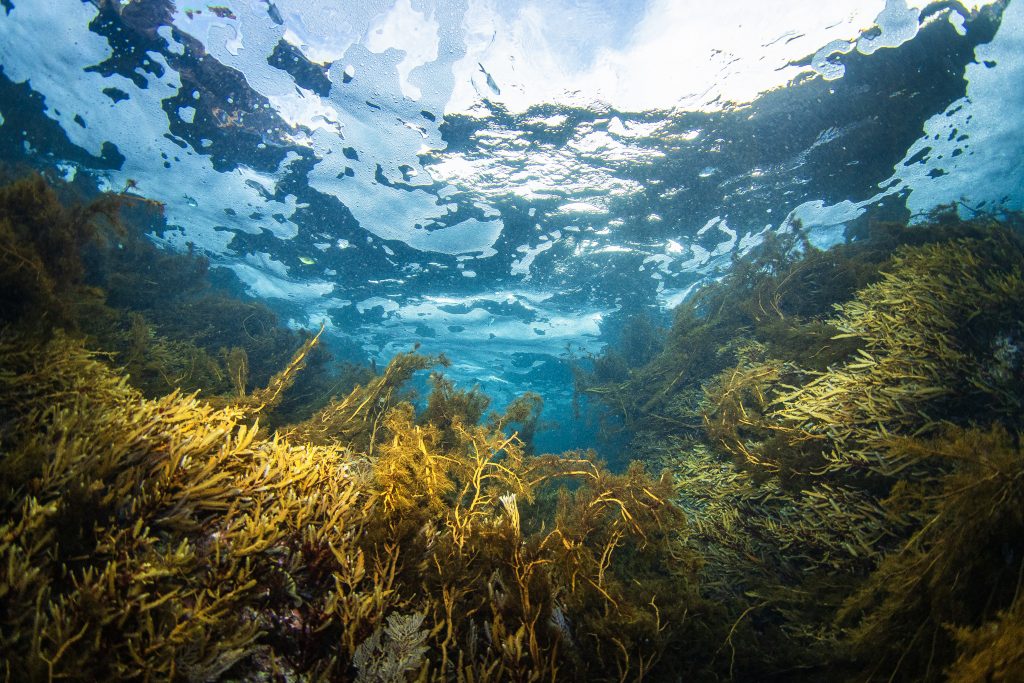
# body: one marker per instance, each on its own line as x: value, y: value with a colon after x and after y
x: 173, y: 46
x: 488, y: 210
x: 816, y: 213
x: 634, y: 129
x: 553, y: 121
x: 896, y: 24
x: 661, y: 261
x: 605, y: 146
x: 671, y: 298
x: 824, y: 62
x: 958, y: 20
x: 135, y: 125
x: 581, y: 207
x: 67, y: 172
x: 387, y: 305
x: 267, y: 263
x: 522, y: 266
x: 751, y: 240
x: 410, y: 31
x: 271, y: 284
x: 991, y: 168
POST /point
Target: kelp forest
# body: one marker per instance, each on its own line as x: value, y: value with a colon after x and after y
x: 822, y: 476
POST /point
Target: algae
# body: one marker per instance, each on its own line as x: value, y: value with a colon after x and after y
x: 848, y: 448
x: 170, y: 538
x: 840, y: 496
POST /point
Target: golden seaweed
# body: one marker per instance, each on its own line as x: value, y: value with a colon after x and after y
x: 841, y: 495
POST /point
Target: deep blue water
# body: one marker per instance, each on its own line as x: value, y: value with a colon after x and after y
x: 507, y: 182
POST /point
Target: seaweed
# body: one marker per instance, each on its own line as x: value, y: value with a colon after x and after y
x: 855, y: 517
x: 448, y: 406
x: 86, y: 267
x: 41, y: 240
x: 525, y: 411
x: 168, y: 537
x: 841, y: 494
x: 961, y: 565
x: 779, y: 295
x: 356, y: 419
x: 991, y: 651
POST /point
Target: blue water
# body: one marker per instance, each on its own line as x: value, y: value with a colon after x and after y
x: 507, y: 181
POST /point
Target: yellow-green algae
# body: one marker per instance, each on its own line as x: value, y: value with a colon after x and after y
x: 858, y: 503
x: 169, y: 538
x: 843, y: 496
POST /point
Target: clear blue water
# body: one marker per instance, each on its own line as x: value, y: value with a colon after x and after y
x: 507, y: 181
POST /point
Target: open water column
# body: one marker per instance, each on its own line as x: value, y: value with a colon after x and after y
x: 472, y: 340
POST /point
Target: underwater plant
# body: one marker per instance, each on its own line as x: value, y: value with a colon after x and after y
x: 163, y: 534
x: 168, y: 537
x: 857, y: 515
x: 41, y: 240
x: 841, y: 489
x: 961, y: 567
x: 85, y: 266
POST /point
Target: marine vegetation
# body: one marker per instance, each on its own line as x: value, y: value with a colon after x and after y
x: 850, y: 459
x: 168, y: 536
x: 86, y: 266
x: 41, y: 241
x: 841, y: 494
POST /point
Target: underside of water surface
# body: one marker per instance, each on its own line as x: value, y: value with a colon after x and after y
x: 466, y: 340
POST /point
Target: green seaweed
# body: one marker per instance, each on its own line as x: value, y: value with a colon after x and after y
x: 840, y: 498
x: 853, y: 515
x: 168, y: 537
x: 86, y: 267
